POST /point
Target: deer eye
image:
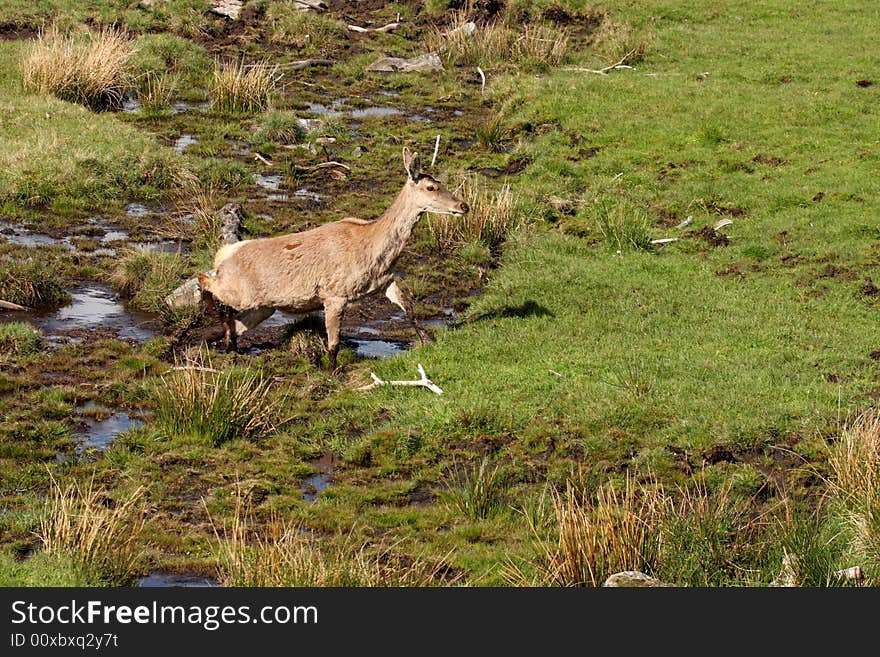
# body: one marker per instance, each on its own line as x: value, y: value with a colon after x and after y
x: 431, y: 188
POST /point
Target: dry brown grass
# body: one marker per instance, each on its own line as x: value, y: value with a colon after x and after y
x: 99, y: 535
x: 240, y: 88
x: 90, y: 69
x: 492, y: 218
x: 498, y: 44
x: 283, y: 554
x: 594, y: 538
x: 855, y: 484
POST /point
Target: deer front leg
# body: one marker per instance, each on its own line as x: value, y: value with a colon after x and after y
x: 398, y: 298
x: 332, y: 320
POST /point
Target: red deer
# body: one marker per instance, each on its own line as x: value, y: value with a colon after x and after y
x: 326, y: 267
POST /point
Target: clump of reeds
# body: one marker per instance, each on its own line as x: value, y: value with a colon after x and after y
x: 90, y: 68
x: 31, y: 283
x: 500, y: 43
x: 240, y: 88
x: 97, y: 534
x: 477, y: 491
x: 594, y: 538
x: 855, y: 485
x: 215, y: 406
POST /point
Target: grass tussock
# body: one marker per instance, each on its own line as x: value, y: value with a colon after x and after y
x: 277, y: 127
x: 623, y: 226
x: 306, y: 32
x: 493, y: 217
x: 239, y: 88
x: 19, y: 339
x: 855, y: 484
x: 280, y: 554
x: 498, y: 44
x: 213, y: 406
x: 156, y: 93
x: 31, y: 283
x: 477, y: 492
x: 594, y: 538
x: 97, y: 534
x: 89, y: 69
x: 147, y: 277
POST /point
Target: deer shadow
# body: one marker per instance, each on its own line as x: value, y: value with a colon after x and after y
x: 525, y: 309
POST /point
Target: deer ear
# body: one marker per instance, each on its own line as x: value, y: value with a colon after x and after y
x: 412, y: 164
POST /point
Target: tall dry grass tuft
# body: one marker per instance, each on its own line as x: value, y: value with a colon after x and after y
x: 855, y: 484
x: 90, y: 69
x: 492, y: 218
x: 594, y: 538
x: 282, y: 554
x: 156, y: 92
x: 98, y: 535
x: 500, y: 43
x: 214, y: 406
x: 240, y: 88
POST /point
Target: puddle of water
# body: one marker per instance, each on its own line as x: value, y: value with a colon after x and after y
x: 183, y: 141
x: 419, y: 117
x: 367, y: 348
x: 365, y: 112
x: 99, y: 434
x: 178, y: 580
x: 167, y: 246
x: 25, y: 237
x: 271, y: 181
x: 137, y: 210
x: 303, y: 193
x: 179, y: 106
x: 92, y: 306
x: 313, y: 485
x: 114, y: 235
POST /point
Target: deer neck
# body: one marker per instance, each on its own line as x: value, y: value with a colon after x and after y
x: 394, y: 228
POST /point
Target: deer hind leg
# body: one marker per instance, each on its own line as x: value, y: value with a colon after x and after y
x: 398, y: 298
x: 333, y: 309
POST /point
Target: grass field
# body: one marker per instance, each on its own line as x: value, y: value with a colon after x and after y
x: 695, y: 408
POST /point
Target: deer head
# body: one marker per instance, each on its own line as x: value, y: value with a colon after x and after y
x: 427, y: 192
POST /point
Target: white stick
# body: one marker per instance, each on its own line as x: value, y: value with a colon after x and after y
x: 664, y: 240
x: 424, y: 382
x: 603, y: 71
x: 384, y: 28
x: 436, y: 147
x: 8, y: 305
x: 483, y: 80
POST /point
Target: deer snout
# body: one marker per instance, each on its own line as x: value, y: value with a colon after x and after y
x: 463, y: 207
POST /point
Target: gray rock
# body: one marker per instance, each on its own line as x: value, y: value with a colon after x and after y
x: 190, y: 294
x: 228, y: 8
x: 421, y: 64
x: 632, y: 579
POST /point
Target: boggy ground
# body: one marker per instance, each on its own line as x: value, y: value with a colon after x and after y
x: 722, y: 368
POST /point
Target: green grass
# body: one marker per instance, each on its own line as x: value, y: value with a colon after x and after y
x: 19, y: 338
x: 696, y: 390
x: 61, y: 156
